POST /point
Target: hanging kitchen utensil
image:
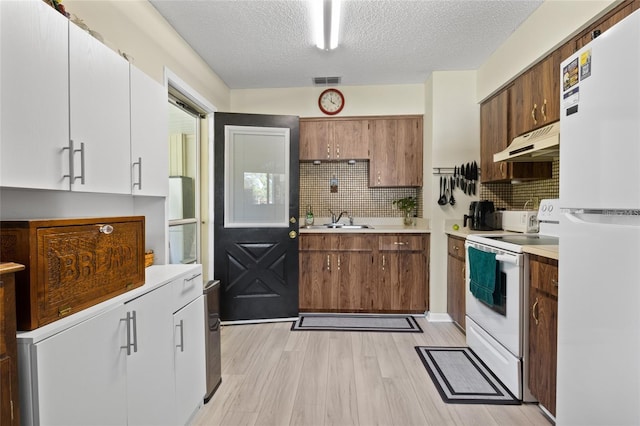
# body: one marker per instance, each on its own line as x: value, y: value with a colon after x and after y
x: 473, y: 178
x: 452, y: 200
x: 462, y: 183
x: 455, y: 176
x: 442, y: 200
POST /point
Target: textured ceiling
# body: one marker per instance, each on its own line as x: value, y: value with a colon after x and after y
x: 269, y: 43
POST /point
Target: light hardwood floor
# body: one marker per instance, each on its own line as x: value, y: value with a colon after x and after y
x: 273, y: 376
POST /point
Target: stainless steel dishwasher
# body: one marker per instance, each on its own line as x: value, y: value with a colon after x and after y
x: 211, y: 292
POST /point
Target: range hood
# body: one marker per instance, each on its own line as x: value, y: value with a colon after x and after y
x: 542, y: 144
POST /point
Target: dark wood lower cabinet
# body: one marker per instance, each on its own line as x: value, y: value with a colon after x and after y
x: 364, y: 273
x: 543, y: 330
x: 9, y: 403
x: 456, y: 289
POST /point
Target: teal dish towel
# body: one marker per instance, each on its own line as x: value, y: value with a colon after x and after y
x: 483, y: 274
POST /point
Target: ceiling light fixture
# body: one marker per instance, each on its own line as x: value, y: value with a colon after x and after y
x: 327, y: 23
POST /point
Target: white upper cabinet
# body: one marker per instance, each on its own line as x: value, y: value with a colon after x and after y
x: 149, y: 146
x: 99, y: 115
x: 34, y: 100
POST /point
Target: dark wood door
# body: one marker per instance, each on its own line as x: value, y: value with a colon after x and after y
x: 256, y: 222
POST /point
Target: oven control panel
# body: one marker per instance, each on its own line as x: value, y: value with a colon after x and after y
x: 549, y: 210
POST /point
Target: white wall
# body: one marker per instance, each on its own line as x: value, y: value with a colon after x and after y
x: 452, y: 136
x: 548, y: 27
x: 359, y: 100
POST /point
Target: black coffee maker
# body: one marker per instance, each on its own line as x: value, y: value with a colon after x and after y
x: 481, y: 216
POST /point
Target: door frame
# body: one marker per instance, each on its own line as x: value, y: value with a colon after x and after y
x: 205, y: 224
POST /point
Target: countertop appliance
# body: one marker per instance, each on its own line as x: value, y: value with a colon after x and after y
x: 498, y: 332
x: 482, y: 216
x: 212, y: 337
x: 598, y: 378
x: 520, y: 220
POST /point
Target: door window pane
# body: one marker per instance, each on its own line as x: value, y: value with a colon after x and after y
x: 182, y: 243
x: 256, y: 177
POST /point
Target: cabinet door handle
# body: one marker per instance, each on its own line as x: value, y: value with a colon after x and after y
x: 135, y: 332
x: 81, y: 151
x: 384, y: 261
x: 337, y: 151
x: 131, y: 342
x: 139, y: 182
x: 502, y: 169
x: 71, y: 151
x: 406, y: 243
x: 534, y: 311
x: 533, y: 113
x: 191, y: 280
x: 338, y: 262
x: 328, y: 151
x: 543, y: 110
x: 181, y: 345
x: 379, y: 177
x: 328, y: 262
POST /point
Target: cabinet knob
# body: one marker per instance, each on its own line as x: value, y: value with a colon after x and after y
x: 293, y: 234
x: 106, y: 229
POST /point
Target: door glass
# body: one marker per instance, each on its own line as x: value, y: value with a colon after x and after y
x: 256, y: 177
x: 182, y: 243
x: 183, y: 185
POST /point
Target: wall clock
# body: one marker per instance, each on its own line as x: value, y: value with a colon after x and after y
x: 331, y: 101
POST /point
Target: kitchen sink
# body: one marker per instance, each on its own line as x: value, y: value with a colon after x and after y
x: 336, y: 226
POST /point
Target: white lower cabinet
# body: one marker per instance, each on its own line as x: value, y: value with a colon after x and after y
x: 135, y: 362
x: 190, y: 359
x: 150, y: 372
x: 81, y: 378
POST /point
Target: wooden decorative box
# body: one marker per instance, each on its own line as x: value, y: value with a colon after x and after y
x: 71, y: 264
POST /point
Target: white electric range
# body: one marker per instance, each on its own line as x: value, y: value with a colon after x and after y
x: 498, y: 333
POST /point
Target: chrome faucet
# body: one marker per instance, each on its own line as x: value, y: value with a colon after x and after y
x: 333, y: 216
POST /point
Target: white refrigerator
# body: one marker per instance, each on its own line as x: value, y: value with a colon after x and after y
x: 598, y: 376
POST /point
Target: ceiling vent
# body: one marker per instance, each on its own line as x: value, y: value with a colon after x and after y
x: 326, y: 81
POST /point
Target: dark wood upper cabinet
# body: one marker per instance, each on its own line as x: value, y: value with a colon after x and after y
x: 495, y: 135
x: 609, y: 20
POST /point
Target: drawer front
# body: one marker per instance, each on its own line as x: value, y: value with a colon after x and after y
x: 456, y: 247
x: 543, y: 274
x: 401, y: 242
x: 79, y: 266
x: 357, y: 242
x: 316, y: 242
x: 187, y: 288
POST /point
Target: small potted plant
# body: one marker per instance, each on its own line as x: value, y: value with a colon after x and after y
x: 407, y: 205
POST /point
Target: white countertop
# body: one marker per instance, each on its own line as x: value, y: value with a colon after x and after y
x: 549, y: 251
x: 380, y: 225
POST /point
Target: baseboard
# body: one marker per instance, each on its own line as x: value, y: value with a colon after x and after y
x: 438, y: 317
x: 258, y: 321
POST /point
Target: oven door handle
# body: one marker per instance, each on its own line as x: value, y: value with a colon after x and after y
x: 515, y: 260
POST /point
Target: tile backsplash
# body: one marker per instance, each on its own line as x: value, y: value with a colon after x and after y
x: 514, y: 196
x: 355, y: 196
x: 353, y: 192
